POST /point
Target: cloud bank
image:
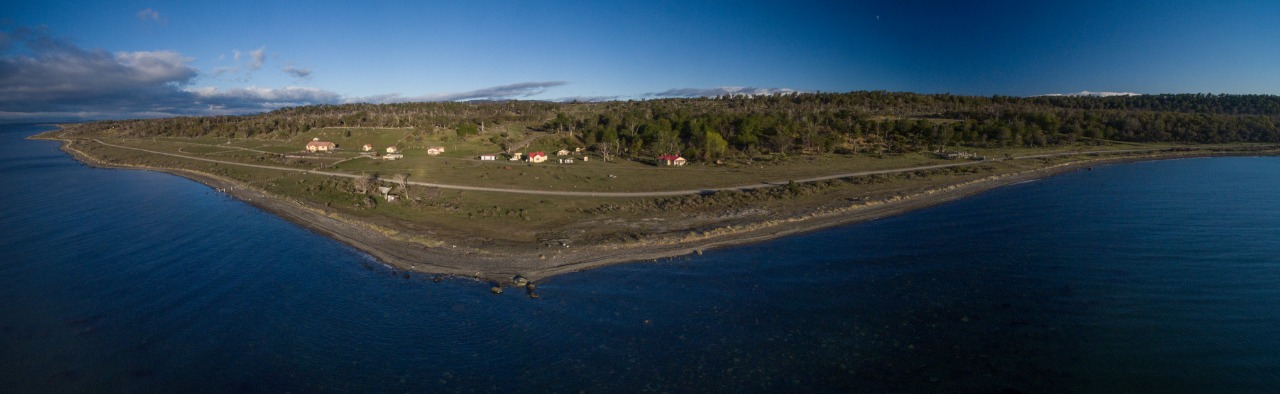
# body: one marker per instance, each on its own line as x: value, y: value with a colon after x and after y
x: 44, y: 78
x: 721, y: 91
x: 1087, y: 93
x: 504, y: 92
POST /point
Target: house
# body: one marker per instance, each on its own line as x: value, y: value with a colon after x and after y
x: 386, y: 193
x: 577, y: 150
x: 366, y: 148
x: 435, y: 150
x: 392, y: 149
x: 562, y: 152
x: 316, y: 145
x: 586, y: 158
x: 566, y: 161
x: 537, y: 157
x: 516, y: 156
x: 392, y: 156
x: 489, y: 157
x: 671, y: 160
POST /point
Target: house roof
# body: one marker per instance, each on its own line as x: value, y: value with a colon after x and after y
x: 669, y: 157
x: 532, y: 154
x: 320, y: 143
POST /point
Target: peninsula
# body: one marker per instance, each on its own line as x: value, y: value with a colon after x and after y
x: 520, y: 189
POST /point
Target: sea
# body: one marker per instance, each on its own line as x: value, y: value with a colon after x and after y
x: 1159, y: 276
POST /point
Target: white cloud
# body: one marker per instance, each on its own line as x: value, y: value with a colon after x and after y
x: 46, y: 78
x: 257, y: 57
x: 300, y: 73
x: 721, y: 91
x: 504, y: 92
x: 149, y: 14
x: 1092, y: 94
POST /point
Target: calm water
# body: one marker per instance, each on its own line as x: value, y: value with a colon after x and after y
x: 1152, y: 277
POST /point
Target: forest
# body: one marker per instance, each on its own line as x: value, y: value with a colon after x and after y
x: 804, y: 123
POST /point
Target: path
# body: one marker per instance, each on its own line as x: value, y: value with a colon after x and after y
x: 670, y: 193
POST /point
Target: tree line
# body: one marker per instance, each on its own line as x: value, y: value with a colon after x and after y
x: 746, y: 126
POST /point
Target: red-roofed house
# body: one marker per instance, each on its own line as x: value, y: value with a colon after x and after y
x: 671, y: 160
x: 537, y: 157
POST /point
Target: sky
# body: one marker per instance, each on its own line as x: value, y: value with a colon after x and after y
x: 91, y: 59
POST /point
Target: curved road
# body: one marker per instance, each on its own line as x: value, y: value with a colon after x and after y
x: 615, y: 194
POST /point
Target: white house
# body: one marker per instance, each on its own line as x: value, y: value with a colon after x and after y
x: 566, y: 161
x: 489, y: 157
x: 366, y: 148
x: 392, y: 149
x: 516, y: 156
x: 435, y: 150
x: 562, y: 152
x: 316, y: 145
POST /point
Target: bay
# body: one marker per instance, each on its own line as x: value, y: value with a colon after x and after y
x: 1154, y: 276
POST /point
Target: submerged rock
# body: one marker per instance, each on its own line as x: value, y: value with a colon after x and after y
x: 496, y: 289
x: 520, y: 280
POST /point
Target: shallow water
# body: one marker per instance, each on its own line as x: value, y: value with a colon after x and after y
x: 1157, y: 276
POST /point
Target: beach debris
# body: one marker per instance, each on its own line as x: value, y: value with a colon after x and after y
x: 437, y: 278
x: 519, y: 280
x: 532, y: 290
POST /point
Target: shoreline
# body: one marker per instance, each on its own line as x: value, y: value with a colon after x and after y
x: 533, y: 264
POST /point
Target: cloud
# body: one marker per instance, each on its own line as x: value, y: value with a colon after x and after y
x: 45, y: 78
x: 504, y: 92
x: 255, y: 99
x: 149, y: 14
x: 587, y: 99
x: 300, y: 73
x: 39, y: 72
x: 721, y: 91
x: 256, y: 58
x: 1093, y: 94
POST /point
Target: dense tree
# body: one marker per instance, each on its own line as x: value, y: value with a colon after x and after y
x: 727, y: 126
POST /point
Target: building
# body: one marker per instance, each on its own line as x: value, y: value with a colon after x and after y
x: 435, y: 150
x: 366, y: 148
x: 566, y: 161
x: 537, y: 157
x: 489, y: 157
x: 562, y: 152
x: 671, y: 160
x: 392, y: 156
x: 516, y: 156
x: 392, y: 149
x: 316, y: 145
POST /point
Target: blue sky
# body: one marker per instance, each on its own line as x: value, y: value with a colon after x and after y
x: 117, y: 59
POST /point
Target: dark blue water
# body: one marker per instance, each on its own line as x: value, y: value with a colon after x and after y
x: 1151, y: 277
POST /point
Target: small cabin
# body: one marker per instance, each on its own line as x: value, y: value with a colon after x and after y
x: 516, y: 156
x: 566, y: 161
x: 562, y: 152
x: 366, y: 148
x: 392, y: 149
x: 435, y: 150
x: 537, y: 157
x: 671, y: 160
x: 316, y: 145
x: 489, y: 157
